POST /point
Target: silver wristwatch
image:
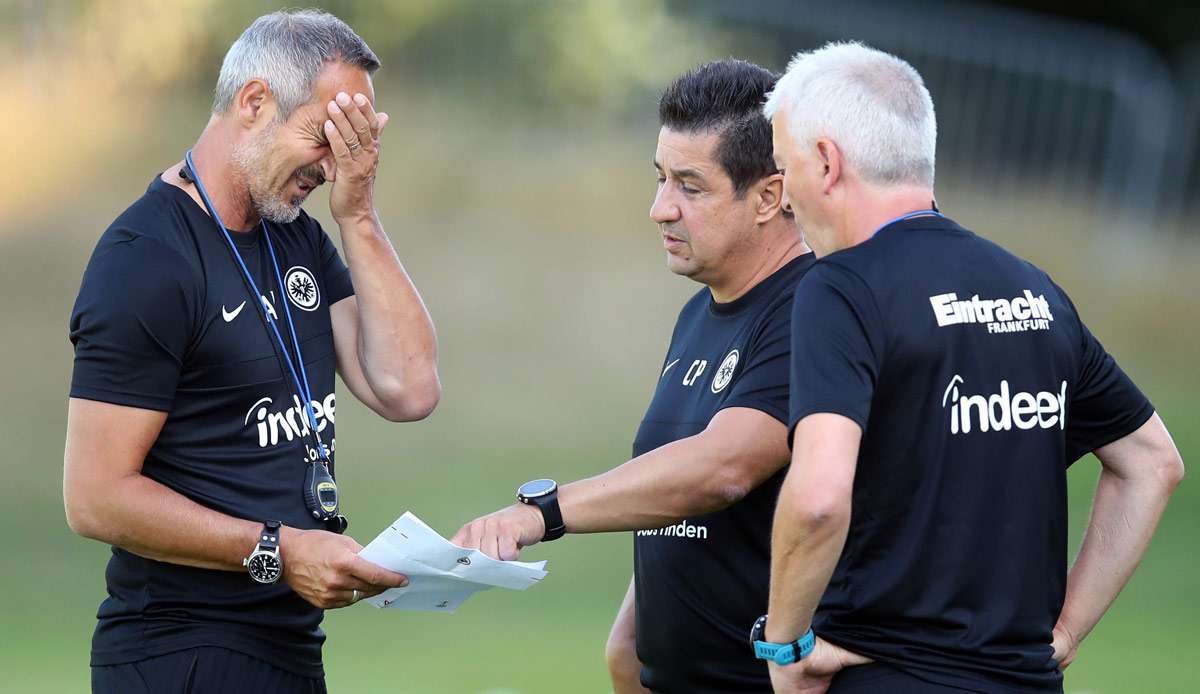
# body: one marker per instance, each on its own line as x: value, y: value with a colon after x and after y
x: 264, y: 564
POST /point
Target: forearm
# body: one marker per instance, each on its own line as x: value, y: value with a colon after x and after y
x: 804, y: 551
x: 146, y: 518
x: 1125, y: 513
x: 812, y: 518
x: 682, y: 479
x: 621, y: 651
x: 397, y: 345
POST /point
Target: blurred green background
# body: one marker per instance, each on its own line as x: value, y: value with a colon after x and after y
x: 515, y: 185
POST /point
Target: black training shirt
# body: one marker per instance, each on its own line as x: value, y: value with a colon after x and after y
x: 700, y: 584
x: 164, y: 321
x: 976, y: 385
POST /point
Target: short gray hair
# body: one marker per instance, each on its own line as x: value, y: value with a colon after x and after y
x: 872, y: 105
x: 287, y: 49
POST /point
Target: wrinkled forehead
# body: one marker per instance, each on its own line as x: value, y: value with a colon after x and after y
x: 333, y: 78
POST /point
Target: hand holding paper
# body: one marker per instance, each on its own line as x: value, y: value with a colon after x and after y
x: 441, y: 575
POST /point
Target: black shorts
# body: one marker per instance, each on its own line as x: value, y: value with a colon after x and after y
x: 204, y: 670
x: 877, y: 678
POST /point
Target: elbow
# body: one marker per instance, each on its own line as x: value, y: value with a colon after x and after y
x: 77, y: 521
x: 411, y: 402
x: 1170, y: 470
x: 91, y: 508
x: 728, y: 473
x: 819, y: 514
x: 727, y: 487
x: 82, y: 517
x: 823, y: 519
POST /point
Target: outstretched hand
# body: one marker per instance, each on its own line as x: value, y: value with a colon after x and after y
x: 502, y: 534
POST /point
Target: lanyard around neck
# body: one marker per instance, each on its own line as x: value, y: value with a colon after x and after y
x: 300, y: 378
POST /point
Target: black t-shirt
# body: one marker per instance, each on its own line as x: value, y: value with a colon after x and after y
x: 164, y: 321
x: 701, y: 583
x: 976, y: 385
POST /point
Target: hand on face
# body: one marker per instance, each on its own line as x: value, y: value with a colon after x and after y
x: 353, y: 131
x: 502, y: 534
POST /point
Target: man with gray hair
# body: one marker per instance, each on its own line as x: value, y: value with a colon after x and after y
x: 923, y: 522
x: 208, y: 327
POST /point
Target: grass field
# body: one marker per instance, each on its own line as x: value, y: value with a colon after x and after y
x: 552, y: 319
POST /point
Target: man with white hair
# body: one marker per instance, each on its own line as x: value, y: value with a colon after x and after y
x: 923, y: 521
x: 210, y: 321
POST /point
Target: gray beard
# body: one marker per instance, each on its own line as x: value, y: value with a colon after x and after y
x: 250, y: 158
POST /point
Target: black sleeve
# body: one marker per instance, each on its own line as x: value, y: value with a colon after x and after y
x: 334, y: 272
x: 132, y: 323
x: 1105, y: 404
x: 763, y: 381
x: 837, y: 339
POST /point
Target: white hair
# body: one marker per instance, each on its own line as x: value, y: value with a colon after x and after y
x: 287, y: 49
x: 872, y: 105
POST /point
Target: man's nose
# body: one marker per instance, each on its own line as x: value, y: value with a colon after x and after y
x: 664, y: 210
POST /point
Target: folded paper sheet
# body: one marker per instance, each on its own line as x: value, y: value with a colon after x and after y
x: 440, y: 575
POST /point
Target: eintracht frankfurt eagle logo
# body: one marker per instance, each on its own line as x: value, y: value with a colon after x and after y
x: 302, y: 288
x: 725, y: 373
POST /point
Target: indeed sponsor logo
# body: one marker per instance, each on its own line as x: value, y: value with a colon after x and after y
x: 1004, y: 410
x: 288, y: 423
x: 681, y: 529
x: 1018, y: 314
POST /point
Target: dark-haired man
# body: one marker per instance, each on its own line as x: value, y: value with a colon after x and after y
x: 707, y: 457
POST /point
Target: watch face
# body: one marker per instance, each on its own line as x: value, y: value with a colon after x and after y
x: 264, y: 567
x: 536, y: 488
x: 757, y: 631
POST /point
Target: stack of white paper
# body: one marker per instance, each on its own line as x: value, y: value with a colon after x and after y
x: 440, y: 575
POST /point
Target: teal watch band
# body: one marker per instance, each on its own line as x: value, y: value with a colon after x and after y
x: 786, y: 653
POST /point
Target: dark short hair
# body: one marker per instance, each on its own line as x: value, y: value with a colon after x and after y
x: 726, y: 96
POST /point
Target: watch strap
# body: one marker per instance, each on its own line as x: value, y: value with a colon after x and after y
x: 551, y: 516
x: 268, y: 538
x: 786, y: 653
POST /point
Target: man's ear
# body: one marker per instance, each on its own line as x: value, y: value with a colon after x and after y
x: 769, y: 197
x: 254, y: 103
x: 830, y: 157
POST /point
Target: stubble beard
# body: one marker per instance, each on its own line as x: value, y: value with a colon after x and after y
x: 252, y: 160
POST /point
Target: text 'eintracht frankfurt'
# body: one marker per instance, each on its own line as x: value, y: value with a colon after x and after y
x: 1000, y: 315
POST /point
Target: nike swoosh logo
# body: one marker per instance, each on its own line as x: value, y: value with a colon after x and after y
x: 230, y: 315
x: 664, y: 373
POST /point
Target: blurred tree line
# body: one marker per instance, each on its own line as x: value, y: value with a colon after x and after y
x: 90, y: 74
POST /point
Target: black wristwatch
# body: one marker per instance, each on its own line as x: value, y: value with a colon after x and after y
x: 264, y: 564
x: 544, y: 495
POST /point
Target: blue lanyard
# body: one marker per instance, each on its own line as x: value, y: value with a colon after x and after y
x: 910, y: 215
x: 300, y: 380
